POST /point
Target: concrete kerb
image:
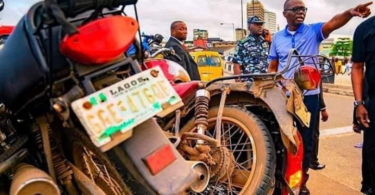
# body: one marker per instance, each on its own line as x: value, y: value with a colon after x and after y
x: 338, y: 89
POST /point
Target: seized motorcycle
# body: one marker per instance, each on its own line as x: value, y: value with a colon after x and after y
x: 244, y: 132
x: 77, y: 113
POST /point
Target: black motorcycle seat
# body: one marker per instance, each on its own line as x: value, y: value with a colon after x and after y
x: 18, y: 65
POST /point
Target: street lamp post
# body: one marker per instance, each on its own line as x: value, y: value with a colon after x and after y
x: 241, y: 14
x: 234, y: 37
x: 253, y: 8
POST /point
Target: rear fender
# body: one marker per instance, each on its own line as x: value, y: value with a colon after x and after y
x: 264, y: 94
x: 147, y: 142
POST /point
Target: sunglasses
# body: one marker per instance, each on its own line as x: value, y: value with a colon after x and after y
x: 297, y: 9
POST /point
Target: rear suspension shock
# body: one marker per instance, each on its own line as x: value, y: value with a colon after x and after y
x: 202, y: 101
x: 64, y: 172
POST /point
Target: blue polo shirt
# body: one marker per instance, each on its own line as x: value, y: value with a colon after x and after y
x: 306, y: 41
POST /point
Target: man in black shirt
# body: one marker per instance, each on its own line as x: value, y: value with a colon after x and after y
x: 364, y: 55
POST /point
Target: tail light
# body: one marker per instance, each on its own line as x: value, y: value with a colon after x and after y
x: 307, y: 78
x: 6, y: 30
x: 294, y: 174
x: 100, y: 41
x: 159, y: 159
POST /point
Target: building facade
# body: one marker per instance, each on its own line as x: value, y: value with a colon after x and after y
x: 240, y: 33
x: 270, y: 19
x: 255, y: 8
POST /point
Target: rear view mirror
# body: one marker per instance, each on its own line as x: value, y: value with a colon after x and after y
x: 326, y: 67
x: 2, y: 5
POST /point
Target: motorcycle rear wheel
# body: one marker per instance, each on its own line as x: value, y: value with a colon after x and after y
x: 258, y: 163
x: 91, y: 161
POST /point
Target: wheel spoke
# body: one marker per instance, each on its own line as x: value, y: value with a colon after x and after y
x: 232, y: 134
x: 230, y: 128
x: 244, y: 162
x: 240, y: 144
x: 242, y: 150
x: 239, y: 141
x: 239, y: 168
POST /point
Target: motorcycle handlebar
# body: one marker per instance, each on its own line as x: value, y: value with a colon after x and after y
x: 72, y: 8
x: 292, y: 53
x: 169, y: 50
x: 148, y: 36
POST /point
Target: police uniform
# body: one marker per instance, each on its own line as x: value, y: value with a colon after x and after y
x: 252, y: 52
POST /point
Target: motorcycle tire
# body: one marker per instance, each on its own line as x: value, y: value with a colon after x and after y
x: 262, y: 180
x: 77, y: 139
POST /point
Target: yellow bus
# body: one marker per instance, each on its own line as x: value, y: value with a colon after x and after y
x: 209, y: 63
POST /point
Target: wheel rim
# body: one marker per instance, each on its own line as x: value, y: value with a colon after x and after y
x: 239, y: 140
x: 90, y: 165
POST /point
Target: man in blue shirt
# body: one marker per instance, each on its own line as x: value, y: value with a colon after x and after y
x: 306, y: 38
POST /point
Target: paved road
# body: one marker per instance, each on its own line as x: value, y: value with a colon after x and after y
x: 343, y: 80
x: 342, y: 175
x: 340, y: 110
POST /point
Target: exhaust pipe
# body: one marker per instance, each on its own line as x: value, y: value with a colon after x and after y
x: 29, y: 180
x: 13, y: 160
x: 203, y: 176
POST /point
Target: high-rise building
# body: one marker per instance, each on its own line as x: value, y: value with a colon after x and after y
x: 255, y: 8
x: 270, y: 19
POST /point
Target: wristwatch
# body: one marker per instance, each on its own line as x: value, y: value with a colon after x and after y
x: 357, y: 103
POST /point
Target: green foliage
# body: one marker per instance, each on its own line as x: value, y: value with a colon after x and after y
x: 343, y: 47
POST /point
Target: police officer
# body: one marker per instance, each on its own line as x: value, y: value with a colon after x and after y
x: 252, y: 52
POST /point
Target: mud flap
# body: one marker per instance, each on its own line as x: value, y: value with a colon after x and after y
x: 273, y: 97
x: 296, y: 107
x: 157, y: 161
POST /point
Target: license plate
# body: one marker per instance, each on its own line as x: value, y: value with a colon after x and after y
x: 124, y: 105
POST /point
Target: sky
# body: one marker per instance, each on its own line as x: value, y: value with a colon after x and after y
x: 157, y: 15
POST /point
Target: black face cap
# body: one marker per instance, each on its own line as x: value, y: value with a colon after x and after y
x: 255, y: 20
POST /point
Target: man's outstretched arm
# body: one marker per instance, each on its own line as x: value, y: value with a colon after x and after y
x: 340, y: 20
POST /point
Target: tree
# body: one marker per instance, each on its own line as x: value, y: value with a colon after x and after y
x: 343, y: 47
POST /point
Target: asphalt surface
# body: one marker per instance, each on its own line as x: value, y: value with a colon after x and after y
x: 340, y: 110
x: 342, y: 175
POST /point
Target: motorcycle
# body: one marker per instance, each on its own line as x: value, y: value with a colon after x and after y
x: 245, y: 132
x: 77, y: 114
